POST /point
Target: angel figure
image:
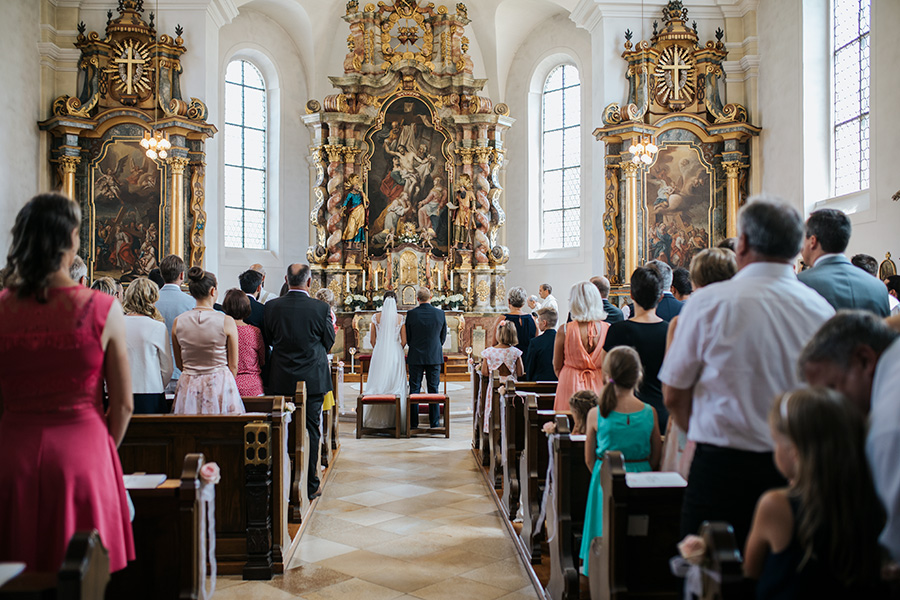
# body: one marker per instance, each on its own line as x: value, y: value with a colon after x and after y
x: 465, y: 200
x: 354, y: 207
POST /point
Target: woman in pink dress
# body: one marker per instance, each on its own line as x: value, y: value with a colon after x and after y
x: 579, y: 345
x: 59, y: 342
x: 205, y: 342
x: 251, y: 349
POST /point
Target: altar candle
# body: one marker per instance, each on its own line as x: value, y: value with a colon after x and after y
x: 376, y: 278
x: 451, y: 279
x: 347, y: 277
x: 439, y: 279
x: 469, y: 283
x: 364, y: 280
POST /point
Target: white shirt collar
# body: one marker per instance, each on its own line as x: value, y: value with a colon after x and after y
x: 300, y: 291
x: 825, y: 256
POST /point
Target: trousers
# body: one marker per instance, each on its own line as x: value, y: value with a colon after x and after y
x: 433, y: 378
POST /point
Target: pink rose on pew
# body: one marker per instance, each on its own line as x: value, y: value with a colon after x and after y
x: 549, y: 427
x: 692, y: 549
x: 210, y: 473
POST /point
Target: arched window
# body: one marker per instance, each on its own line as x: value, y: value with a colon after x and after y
x: 245, y: 156
x: 850, y: 99
x: 561, y: 159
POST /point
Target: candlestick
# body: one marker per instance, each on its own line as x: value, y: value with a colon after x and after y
x: 364, y: 280
x: 347, y: 277
x: 377, y: 270
x: 451, y: 280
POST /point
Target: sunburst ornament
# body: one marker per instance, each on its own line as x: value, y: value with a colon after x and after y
x: 675, y: 77
x: 132, y: 77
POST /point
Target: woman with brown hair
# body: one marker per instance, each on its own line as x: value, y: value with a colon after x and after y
x: 251, y: 348
x: 148, y: 347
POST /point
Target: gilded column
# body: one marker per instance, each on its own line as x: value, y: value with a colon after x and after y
x: 176, y: 206
x: 67, y: 166
x: 733, y: 195
x: 632, y: 198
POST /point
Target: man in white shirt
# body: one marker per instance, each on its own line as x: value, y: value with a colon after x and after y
x: 547, y: 300
x: 264, y: 295
x: 857, y: 354
x: 735, y: 349
x: 172, y: 301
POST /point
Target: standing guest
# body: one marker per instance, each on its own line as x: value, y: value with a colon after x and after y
x: 831, y: 273
x: 580, y: 404
x: 301, y: 334
x: 534, y: 303
x: 547, y: 299
x: 818, y: 537
x: 425, y: 332
x: 734, y: 351
x: 251, y: 284
x: 327, y: 296
x: 866, y: 263
x: 681, y: 284
x: 646, y: 333
x: 156, y: 277
x: 578, y: 346
x: 504, y: 356
x: 538, y: 361
x: 264, y: 295
x: 60, y: 470
x: 105, y: 285
x: 148, y: 348
x: 251, y: 353
x: 619, y: 422
x: 78, y: 271
x: 120, y: 292
x: 172, y: 301
x: 728, y: 244
x: 893, y: 286
x: 668, y: 306
x: 524, y: 323
x: 613, y: 314
x: 206, y: 350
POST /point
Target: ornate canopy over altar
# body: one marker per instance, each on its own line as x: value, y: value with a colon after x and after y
x: 407, y: 156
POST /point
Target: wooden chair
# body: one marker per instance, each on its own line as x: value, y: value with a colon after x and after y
x: 377, y: 400
x: 365, y: 361
x: 412, y: 406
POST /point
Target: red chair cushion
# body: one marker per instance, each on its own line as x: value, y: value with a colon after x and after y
x: 363, y: 357
x: 426, y: 397
x: 379, y: 398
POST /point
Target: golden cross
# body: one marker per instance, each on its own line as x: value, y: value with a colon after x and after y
x: 676, y: 67
x: 129, y: 60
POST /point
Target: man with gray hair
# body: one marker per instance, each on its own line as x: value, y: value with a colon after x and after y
x: 669, y: 306
x: 547, y: 299
x: 733, y: 351
x: 78, y: 271
x: 857, y: 354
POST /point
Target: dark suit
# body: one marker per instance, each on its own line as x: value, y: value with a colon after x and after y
x: 613, y: 314
x: 257, y: 312
x: 845, y: 285
x: 539, y: 358
x: 300, y: 332
x: 668, y: 308
x: 426, y: 330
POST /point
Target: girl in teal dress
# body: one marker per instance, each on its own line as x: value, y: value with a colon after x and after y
x: 620, y: 422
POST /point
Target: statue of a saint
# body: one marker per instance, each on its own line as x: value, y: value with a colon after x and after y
x: 354, y: 208
x: 462, y: 222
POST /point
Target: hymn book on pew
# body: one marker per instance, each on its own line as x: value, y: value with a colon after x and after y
x: 143, y: 481
x: 654, y: 479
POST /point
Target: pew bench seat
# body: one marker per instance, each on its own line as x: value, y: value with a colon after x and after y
x: 412, y: 428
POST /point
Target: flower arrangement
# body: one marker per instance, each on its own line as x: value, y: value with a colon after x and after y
x: 377, y: 301
x: 438, y: 300
x: 454, y: 301
x: 355, y: 301
x: 210, y: 473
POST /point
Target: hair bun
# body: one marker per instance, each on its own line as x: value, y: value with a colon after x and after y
x: 196, y: 274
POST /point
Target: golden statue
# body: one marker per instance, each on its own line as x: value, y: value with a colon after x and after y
x: 465, y: 199
x: 354, y: 206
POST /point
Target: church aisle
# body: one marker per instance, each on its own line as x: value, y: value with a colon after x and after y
x: 400, y: 519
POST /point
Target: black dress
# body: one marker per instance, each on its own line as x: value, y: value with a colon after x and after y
x: 526, y: 330
x: 649, y: 339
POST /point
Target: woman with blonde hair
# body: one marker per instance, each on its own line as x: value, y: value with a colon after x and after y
x: 578, y: 349
x: 107, y: 285
x: 148, y: 347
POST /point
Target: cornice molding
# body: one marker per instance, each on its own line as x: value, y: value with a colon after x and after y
x: 222, y: 12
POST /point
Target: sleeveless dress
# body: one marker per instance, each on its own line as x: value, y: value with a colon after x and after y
x: 628, y: 433
x: 206, y: 386
x: 526, y: 329
x: 387, y: 375
x: 581, y: 371
x: 60, y: 471
x: 250, y: 354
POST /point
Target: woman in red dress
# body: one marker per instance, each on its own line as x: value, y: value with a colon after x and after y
x: 251, y: 348
x: 59, y: 342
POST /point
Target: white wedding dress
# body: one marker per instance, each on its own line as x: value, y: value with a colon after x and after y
x: 387, y: 371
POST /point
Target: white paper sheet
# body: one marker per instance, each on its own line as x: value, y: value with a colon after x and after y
x: 143, y: 482
x: 10, y: 570
x: 654, y: 479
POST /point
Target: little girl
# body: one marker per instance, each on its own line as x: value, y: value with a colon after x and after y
x: 619, y: 422
x: 504, y: 358
x: 818, y: 537
x: 580, y: 405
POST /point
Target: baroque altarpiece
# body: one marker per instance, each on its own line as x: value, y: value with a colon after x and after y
x: 687, y: 196
x: 135, y: 207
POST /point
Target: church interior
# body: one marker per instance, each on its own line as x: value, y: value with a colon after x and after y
x: 474, y: 149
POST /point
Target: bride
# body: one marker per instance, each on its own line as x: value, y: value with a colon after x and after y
x: 387, y: 371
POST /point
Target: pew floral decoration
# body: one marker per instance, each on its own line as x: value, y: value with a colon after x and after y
x: 689, y: 565
x: 692, y: 548
x: 290, y: 407
x: 210, y: 473
x: 549, y: 428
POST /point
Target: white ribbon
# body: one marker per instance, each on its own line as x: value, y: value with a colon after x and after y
x: 286, y: 459
x: 693, y: 576
x: 208, y: 516
x: 548, y: 508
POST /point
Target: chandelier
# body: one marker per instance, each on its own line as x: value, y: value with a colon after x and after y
x: 643, y: 151
x: 156, y: 144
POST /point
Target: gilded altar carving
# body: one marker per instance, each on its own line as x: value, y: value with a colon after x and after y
x: 198, y: 215
x: 610, y: 225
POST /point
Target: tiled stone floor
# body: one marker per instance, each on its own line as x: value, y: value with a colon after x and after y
x: 401, y: 519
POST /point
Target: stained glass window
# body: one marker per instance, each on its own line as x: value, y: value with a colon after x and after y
x: 561, y: 159
x: 245, y: 156
x: 851, y: 96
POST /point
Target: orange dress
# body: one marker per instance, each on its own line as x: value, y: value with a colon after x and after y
x: 581, y: 371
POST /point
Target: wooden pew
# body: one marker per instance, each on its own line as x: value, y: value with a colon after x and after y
x: 480, y: 384
x: 532, y: 471
x: 251, y: 511
x: 83, y: 575
x: 641, y: 529
x: 330, y: 418
x: 723, y: 557
x: 572, y: 481
x: 167, y: 531
x: 495, y: 437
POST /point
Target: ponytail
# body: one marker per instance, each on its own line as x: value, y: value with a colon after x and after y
x: 622, y: 367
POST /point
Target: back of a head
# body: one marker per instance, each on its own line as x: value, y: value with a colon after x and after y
x: 866, y: 263
x: 516, y: 297
x: 622, y: 367
x: 326, y: 296
x: 838, y: 339
x: 728, y: 244
x: 646, y: 287
x: 78, y: 270
x: 297, y: 275
x: 665, y: 272
x: 259, y: 269
x: 602, y: 284
x: 581, y: 404
x: 772, y: 228
x: 712, y: 265
x: 585, y: 303
x: 390, y: 294
x: 548, y: 316
x: 236, y: 304
x: 832, y: 229
x: 200, y: 282
x: 105, y: 285
x: 141, y: 297
x: 41, y: 234
x: 893, y: 284
x: 423, y: 294
x: 156, y: 277
x: 250, y: 281
x: 506, y: 334
x: 171, y: 268
x: 681, y: 281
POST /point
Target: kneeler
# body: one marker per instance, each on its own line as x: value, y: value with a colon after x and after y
x: 377, y: 399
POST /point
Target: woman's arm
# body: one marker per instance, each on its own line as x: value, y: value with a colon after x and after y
x: 772, y: 530
x: 117, y: 374
x: 373, y: 330
x: 590, y: 442
x: 655, y: 443
x: 176, y: 347
x: 164, y: 353
x: 260, y: 350
x: 231, y: 344
x: 559, y: 350
x: 403, y: 335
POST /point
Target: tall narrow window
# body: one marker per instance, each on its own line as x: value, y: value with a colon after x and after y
x: 561, y: 164
x: 851, y: 95
x: 245, y: 156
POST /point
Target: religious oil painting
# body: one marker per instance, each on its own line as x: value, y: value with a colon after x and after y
x: 125, y: 204
x: 679, y: 205
x: 407, y: 183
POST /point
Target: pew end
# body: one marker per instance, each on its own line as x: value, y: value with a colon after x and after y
x: 723, y: 558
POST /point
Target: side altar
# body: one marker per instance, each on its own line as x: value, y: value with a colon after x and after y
x: 408, y: 158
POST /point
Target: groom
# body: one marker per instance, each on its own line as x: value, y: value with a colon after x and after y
x: 426, y: 330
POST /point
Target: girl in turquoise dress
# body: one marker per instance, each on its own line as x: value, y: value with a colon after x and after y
x: 620, y: 422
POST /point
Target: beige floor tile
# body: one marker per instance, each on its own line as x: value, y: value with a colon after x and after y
x: 476, y: 505
x: 406, y: 490
x: 458, y: 587
x: 406, y: 506
x: 367, y: 516
x: 526, y: 593
x: 253, y: 589
x: 413, y: 547
x: 307, y: 577
x: 406, y: 525
x: 455, y: 560
x: 498, y: 547
x: 354, y: 588
x: 361, y: 562
x: 506, y: 574
x: 362, y: 537
x: 333, y: 506
x: 371, y: 498
x: 408, y: 579
x: 313, y: 549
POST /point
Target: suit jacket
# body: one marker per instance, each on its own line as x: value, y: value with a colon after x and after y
x: 173, y: 302
x: 539, y: 358
x: 613, y: 314
x: 845, y: 285
x: 426, y: 331
x: 668, y: 307
x: 300, y: 332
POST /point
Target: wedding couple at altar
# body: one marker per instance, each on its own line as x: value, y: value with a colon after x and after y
x: 424, y: 331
